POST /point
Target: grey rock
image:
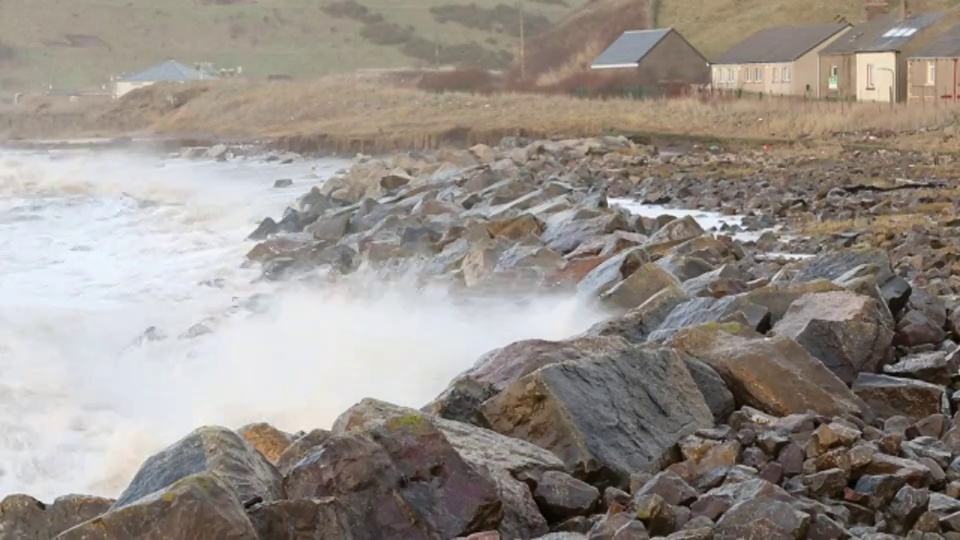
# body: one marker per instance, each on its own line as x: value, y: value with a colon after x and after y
x: 763, y: 518
x: 845, y: 331
x: 198, y: 506
x: 24, y: 518
x: 560, y: 496
x: 892, y: 396
x: 589, y: 413
x: 210, y: 449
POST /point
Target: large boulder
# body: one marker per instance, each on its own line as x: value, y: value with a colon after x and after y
x: 715, y: 391
x: 777, y: 298
x: 833, y: 265
x: 638, y: 287
x: 266, y: 439
x: 402, y: 477
x: 566, y: 230
x: 198, y: 506
x: 892, y: 396
x: 496, y: 369
x: 672, y: 234
x: 605, y: 418
x: 698, y: 311
x: 774, y: 375
x: 212, y: 449
x: 763, y: 518
x: 637, y: 324
x: 848, y: 332
x: 306, y: 519
x: 24, y: 518
x: 502, y: 460
x: 613, y: 270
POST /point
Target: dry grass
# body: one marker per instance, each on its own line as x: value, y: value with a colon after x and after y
x: 892, y: 223
x: 349, y: 115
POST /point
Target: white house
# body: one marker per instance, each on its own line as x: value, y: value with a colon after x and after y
x: 169, y: 71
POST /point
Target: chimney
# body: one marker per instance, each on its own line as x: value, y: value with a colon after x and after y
x: 875, y: 8
x: 904, y: 10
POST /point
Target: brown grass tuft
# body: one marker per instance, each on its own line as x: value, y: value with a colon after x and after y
x: 348, y: 114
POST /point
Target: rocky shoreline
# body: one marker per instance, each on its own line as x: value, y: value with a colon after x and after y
x: 793, y: 375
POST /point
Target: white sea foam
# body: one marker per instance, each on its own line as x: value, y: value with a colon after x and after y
x: 96, y: 247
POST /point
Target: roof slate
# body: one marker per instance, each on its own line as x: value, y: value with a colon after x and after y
x: 171, y: 70
x: 946, y: 45
x: 631, y: 47
x: 779, y: 44
x: 870, y: 37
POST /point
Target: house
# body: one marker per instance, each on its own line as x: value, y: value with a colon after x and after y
x: 870, y: 62
x: 932, y: 72
x: 780, y: 60
x: 656, y: 61
x: 838, y: 61
x: 169, y: 71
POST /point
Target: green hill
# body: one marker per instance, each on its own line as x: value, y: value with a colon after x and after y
x: 80, y: 44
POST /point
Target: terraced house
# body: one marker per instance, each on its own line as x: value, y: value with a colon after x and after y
x: 870, y: 62
x: 933, y: 72
x: 781, y: 61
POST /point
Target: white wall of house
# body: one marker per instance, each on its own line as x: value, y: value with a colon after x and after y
x: 121, y: 88
x: 877, y: 76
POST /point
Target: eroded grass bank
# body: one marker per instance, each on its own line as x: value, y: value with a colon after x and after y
x: 346, y: 115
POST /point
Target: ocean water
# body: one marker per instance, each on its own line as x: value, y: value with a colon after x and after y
x: 97, y: 246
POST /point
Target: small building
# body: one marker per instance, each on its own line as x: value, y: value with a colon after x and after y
x: 933, y: 72
x: 881, y: 64
x: 838, y: 61
x: 780, y: 60
x: 656, y: 61
x: 169, y: 71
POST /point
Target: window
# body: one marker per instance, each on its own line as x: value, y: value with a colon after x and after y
x: 870, y: 76
x: 776, y: 74
x: 758, y: 75
x: 717, y: 72
x: 787, y: 75
x: 749, y: 76
x: 834, y: 71
x: 931, y: 72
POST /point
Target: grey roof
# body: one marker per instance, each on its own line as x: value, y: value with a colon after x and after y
x: 861, y: 35
x: 779, y: 44
x: 947, y: 45
x: 171, y: 70
x: 900, y: 33
x: 629, y: 48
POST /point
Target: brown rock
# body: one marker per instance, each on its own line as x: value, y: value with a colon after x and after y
x: 671, y: 487
x: 775, y: 375
x: 891, y: 396
x: 198, y: 506
x: 403, y: 478
x: 763, y: 518
x: 266, y: 439
x: 24, y: 518
x: 848, y: 332
x: 638, y: 287
x: 300, y: 448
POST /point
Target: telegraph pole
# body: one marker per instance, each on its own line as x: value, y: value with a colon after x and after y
x: 523, y: 67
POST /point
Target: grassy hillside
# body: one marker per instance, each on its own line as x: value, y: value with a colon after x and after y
x: 81, y: 43
x: 71, y: 44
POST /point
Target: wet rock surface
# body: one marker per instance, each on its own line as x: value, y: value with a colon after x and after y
x: 793, y: 382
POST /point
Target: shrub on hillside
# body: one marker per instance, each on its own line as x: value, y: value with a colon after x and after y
x: 7, y: 53
x: 350, y: 9
x: 461, y: 80
x: 502, y: 18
